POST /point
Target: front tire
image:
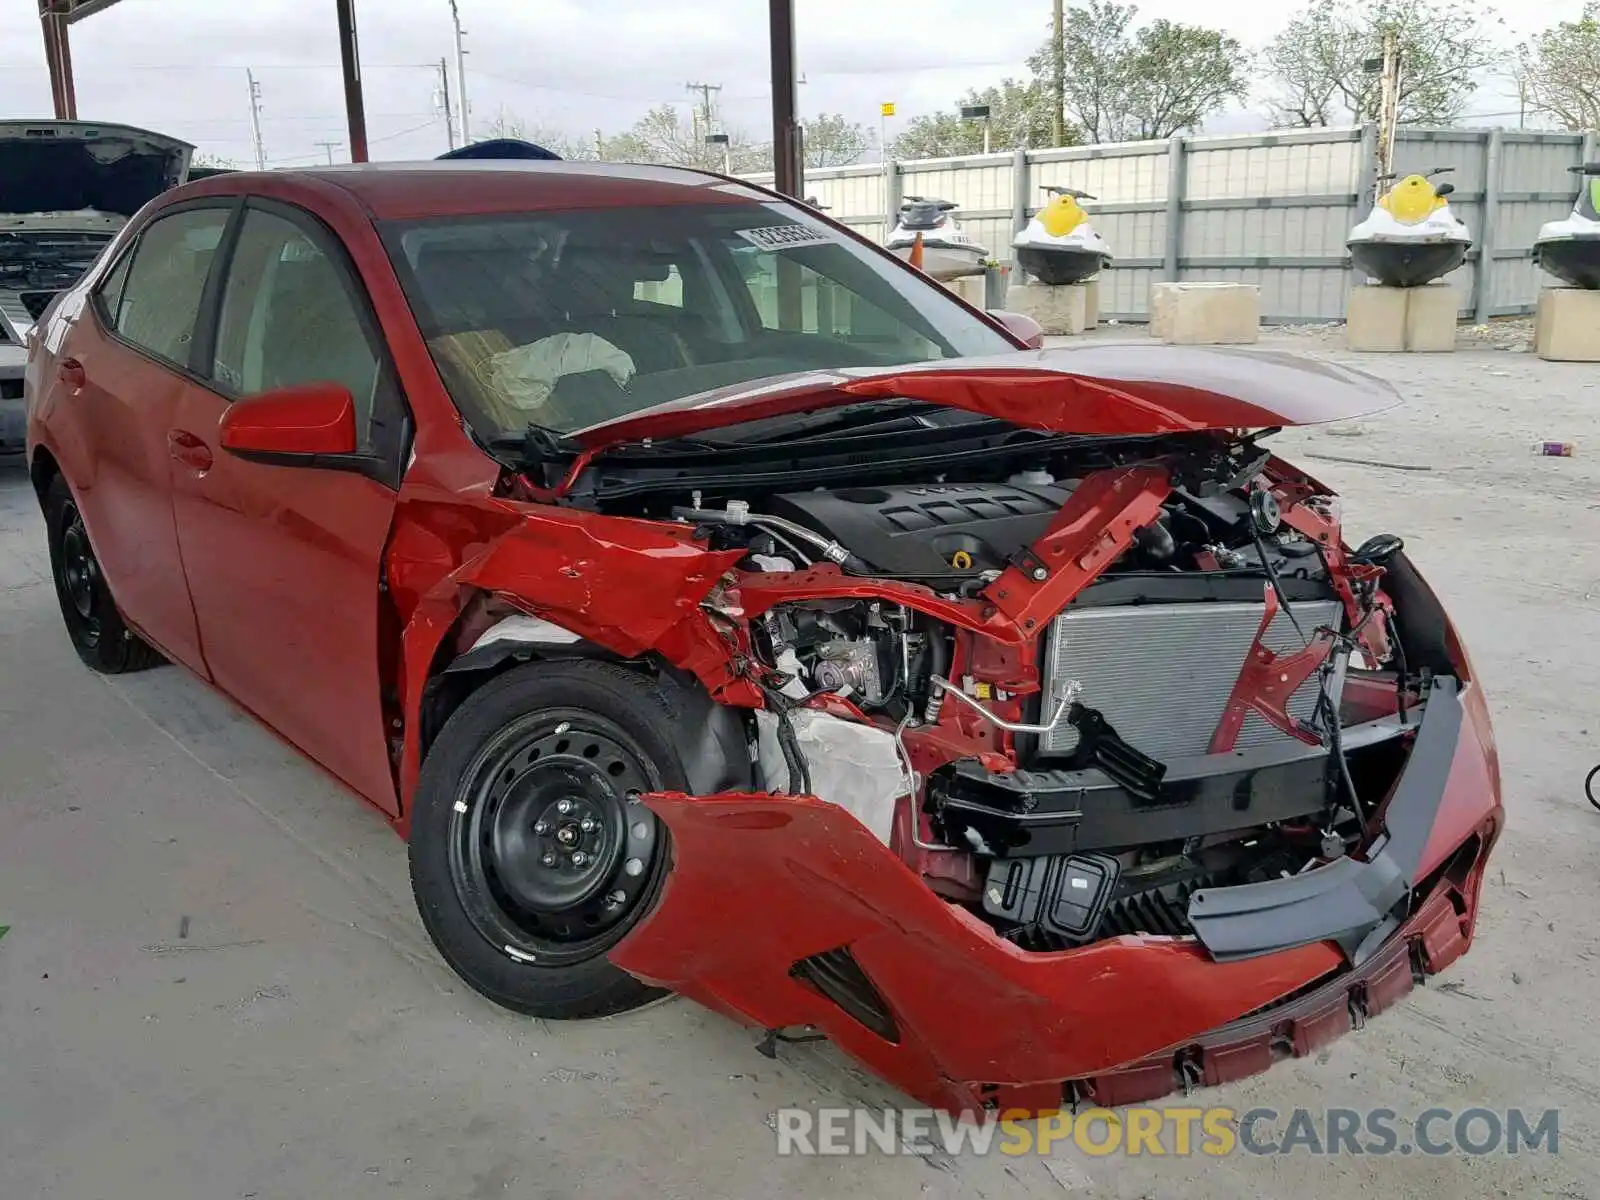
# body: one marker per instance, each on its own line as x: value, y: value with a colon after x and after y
x: 531, y: 855
x: 99, y: 635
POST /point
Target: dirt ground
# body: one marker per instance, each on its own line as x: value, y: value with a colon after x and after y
x: 215, y: 986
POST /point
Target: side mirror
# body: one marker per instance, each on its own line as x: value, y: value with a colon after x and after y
x: 302, y: 421
x: 1444, y: 189
x: 1022, y: 327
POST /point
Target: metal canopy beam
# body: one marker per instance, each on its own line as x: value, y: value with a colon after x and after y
x: 788, y: 164
x: 350, y: 66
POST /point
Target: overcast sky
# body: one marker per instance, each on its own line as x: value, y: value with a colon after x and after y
x: 178, y: 66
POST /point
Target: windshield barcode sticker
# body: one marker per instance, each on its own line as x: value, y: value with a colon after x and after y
x: 784, y: 237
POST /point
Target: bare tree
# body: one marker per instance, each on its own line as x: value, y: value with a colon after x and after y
x: 1558, y: 71
x: 1318, y: 63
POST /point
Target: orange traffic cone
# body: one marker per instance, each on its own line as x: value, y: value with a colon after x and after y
x: 916, y: 253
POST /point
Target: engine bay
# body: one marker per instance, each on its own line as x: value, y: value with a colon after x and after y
x: 1069, y: 786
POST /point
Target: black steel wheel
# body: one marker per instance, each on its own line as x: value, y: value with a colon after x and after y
x: 551, y: 851
x: 531, y: 854
x: 99, y: 634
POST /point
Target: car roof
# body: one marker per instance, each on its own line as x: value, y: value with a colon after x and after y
x: 409, y: 191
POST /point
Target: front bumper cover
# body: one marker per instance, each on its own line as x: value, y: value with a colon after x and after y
x: 762, y: 884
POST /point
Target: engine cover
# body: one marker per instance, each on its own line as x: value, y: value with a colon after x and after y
x: 918, y: 529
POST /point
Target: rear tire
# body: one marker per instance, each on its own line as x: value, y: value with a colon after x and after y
x: 531, y: 856
x: 99, y: 634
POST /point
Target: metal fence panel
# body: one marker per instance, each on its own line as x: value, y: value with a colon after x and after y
x: 1269, y: 209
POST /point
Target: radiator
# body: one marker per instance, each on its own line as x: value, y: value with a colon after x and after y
x: 1162, y: 673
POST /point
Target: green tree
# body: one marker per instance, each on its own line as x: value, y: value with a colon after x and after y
x: 1019, y: 117
x: 1558, y: 71
x: 1318, y: 64
x: 1128, y: 83
x: 832, y: 141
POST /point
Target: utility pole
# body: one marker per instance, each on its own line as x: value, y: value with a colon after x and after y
x: 1389, y: 114
x: 255, y: 121
x: 1058, y: 105
x: 704, y: 123
x: 330, y: 147
x: 444, y: 100
x: 461, y: 75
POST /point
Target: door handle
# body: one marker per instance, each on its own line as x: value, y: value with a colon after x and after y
x: 70, y: 371
x: 188, y: 449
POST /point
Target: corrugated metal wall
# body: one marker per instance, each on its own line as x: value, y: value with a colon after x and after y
x: 1268, y: 209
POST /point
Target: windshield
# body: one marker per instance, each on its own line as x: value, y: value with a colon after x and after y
x: 568, y: 319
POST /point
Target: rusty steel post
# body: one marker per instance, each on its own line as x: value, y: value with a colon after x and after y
x: 788, y: 164
x: 58, y: 57
x: 350, y: 65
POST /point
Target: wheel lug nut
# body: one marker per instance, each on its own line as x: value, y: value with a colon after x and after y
x: 579, y: 858
x: 563, y: 806
x: 634, y: 866
x: 549, y: 860
x: 586, y: 825
x: 641, y: 830
x: 540, y: 827
x: 618, y: 896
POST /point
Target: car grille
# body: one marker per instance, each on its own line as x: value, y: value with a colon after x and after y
x: 1162, y: 673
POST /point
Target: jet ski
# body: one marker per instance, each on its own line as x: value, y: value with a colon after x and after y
x: 1411, y: 237
x: 1570, y: 249
x: 1059, y: 245
x: 947, y: 251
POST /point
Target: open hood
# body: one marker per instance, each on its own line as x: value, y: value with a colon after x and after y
x: 1109, y: 389
x: 70, y: 166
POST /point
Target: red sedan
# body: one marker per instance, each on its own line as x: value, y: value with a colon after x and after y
x: 718, y: 605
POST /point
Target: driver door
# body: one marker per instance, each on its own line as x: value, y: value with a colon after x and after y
x: 284, y: 558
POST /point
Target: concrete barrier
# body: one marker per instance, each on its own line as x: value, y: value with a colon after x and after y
x: 1059, y: 308
x: 1388, y: 320
x: 1567, y: 327
x: 1205, y: 314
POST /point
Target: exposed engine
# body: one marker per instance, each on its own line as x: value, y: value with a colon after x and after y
x: 1098, y: 799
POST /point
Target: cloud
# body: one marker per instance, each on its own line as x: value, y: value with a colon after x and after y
x: 179, y: 66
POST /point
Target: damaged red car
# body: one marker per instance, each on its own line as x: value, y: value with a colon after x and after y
x: 717, y: 605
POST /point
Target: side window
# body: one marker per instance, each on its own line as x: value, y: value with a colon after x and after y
x: 109, y: 297
x: 153, y: 298
x: 289, y: 318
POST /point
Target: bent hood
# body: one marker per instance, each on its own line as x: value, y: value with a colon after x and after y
x: 70, y: 166
x: 1112, y: 389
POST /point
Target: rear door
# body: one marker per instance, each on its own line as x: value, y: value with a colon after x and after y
x: 120, y: 372
x: 284, y: 558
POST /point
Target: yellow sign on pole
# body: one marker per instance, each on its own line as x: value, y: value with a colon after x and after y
x: 888, y: 108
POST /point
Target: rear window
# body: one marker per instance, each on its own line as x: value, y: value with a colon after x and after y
x: 569, y: 319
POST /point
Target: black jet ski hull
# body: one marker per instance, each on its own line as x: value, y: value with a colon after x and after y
x: 1573, y: 260
x: 1056, y: 266
x: 1407, y: 264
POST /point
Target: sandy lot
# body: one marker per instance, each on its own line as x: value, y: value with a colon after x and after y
x: 215, y: 986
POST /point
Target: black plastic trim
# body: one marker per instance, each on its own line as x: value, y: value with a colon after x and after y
x: 1347, y: 899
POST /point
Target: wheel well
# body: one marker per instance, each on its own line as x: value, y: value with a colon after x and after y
x: 716, y: 754
x: 42, y: 471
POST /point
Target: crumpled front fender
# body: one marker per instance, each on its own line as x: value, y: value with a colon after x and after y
x: 762, y: 881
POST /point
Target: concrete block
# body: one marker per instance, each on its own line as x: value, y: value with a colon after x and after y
x: 971, y: 288
x: 1388, y: 320
x: 1567, y: 328
x: 1091, y: 303
x: 1375, y: 320
x: 1060, y: 309
x: 1431, y: 316
x: 1206, y: 314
